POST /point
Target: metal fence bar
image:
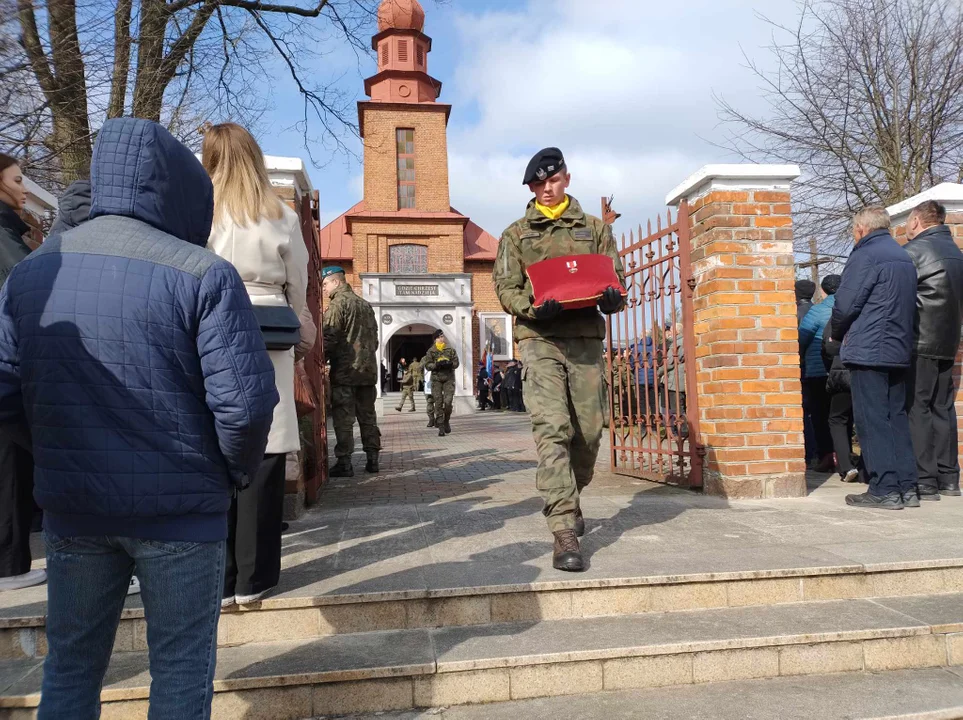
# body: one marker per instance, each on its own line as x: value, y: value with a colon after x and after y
x: 653, y: 431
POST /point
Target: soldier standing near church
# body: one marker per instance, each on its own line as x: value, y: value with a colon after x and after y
x: 561, y: 349
x: 442, y: 361
x: 408, y: 386
x: 350, y: 340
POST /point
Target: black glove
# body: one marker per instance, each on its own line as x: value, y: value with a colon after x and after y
x: 442, y: 364
x: 548, y: 310
x: 611, y: 301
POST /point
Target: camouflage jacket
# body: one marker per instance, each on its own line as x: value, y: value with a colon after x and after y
x: 417, y: 373
x: 432, y: 358
x: 350, y: 338
x: 408, y: 377
x: 535, y: 238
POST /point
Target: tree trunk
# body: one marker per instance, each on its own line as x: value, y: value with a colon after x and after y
x: 148, y: 90
x: 118, y: 82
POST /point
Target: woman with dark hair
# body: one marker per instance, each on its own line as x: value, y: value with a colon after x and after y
x: 16, y: 462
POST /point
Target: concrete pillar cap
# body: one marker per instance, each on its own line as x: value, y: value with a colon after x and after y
x: 948, y: 194
x: 740, y: 176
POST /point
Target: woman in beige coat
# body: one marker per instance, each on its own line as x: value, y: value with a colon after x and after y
x: 261, y: 237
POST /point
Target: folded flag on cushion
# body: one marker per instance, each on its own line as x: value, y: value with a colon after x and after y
x: 576, y: 281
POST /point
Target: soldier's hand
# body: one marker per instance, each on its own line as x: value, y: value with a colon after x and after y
x: 548, y: 309
x: 611, y: 301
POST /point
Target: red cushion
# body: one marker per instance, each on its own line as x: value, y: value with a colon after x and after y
x: 576, y: 281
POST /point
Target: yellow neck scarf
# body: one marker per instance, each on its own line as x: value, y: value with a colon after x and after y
x: 553, y: 213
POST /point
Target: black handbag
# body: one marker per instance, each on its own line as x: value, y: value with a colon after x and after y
x: 280, y: 326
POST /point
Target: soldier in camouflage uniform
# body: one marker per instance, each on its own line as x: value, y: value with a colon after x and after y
x: 408, y: 386
x: 442, y: 360
x: 562, y: 350
x: 350, y: 339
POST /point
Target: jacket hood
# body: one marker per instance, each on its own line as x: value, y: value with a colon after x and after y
x: 140, y: 171
x: 73, y: 206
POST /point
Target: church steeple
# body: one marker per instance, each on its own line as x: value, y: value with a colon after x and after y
x: 402, y: 50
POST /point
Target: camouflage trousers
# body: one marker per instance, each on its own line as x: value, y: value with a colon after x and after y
x: 347, y: 403
x: 443, y: 394
x: 566, y: 395
x: 407, y: 393
x: 430, y: 402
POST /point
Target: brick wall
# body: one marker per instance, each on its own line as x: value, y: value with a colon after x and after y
x: 380, y: 156
x: 747, y: 359
x: 445, y: 242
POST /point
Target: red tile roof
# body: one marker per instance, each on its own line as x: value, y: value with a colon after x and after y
x: 336, y: 241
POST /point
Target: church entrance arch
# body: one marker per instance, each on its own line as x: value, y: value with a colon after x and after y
x: 410, y: 342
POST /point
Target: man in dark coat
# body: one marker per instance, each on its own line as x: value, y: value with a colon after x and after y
x: 497, y: 388
x: 873, y: 317
x: 135, y: 470
x: 939, y: 310
x: 482, y: 382
x: 805, y: 290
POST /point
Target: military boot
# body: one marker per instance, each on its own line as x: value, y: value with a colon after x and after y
x: 447, y: 428
x: 372, y: 465
x: 431, y: 422
x: 567, y: 555
x: 579, y: 522
x: 342, y: 468
x: 441, y: 430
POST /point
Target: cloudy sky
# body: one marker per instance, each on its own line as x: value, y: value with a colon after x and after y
x: 624, y: 87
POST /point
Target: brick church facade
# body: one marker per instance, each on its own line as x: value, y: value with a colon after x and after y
x: 421, y: 263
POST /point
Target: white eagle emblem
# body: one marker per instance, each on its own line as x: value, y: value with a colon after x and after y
x: 541, y: 174
x: 572, y: 266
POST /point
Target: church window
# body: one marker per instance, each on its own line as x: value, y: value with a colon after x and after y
x: 403, y: 50
x: 408, y: 259
x: 420, y: 54
x: 384, y: 55
x: 406, y: 168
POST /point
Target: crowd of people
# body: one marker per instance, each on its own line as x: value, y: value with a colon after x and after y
x: 503, y: 388
x: 148, y: 374
x: 877, y: 357
x: 147, y: 398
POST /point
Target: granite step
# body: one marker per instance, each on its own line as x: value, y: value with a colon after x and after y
x: 293, y: 616
x: 926, y: 694
x: 447, y: 666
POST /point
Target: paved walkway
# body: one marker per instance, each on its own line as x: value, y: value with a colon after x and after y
x: 446, y: 515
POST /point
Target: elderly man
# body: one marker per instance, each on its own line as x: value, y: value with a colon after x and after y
x: 350, y: 340
x: 562, y: 349
x: 873, y: 317
x: 939, y: 309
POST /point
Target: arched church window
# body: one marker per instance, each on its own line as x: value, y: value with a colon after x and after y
x: 408, y: 259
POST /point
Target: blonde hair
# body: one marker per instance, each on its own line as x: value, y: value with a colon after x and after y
x: 242, y: 189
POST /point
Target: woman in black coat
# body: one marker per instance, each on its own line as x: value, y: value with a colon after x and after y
x: 16, y: 463
x: 840, y: 409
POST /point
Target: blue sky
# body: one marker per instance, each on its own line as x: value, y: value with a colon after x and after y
x: 622, y: 86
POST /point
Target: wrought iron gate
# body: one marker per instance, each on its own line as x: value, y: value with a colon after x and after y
x: 654, y: 427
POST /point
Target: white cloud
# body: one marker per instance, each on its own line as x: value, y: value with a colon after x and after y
x: 622, y: 86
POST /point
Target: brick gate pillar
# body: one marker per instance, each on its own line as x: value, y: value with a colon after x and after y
x: 747, y: 356
x: 950, y: 195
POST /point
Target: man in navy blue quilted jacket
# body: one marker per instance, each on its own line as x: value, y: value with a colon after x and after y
x: 873, y: 316
x: 132, y: 357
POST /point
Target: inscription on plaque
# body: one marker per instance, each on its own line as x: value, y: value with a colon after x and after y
x: 409, y: 290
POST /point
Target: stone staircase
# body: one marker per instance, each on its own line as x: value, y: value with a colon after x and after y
x: 605, y: 640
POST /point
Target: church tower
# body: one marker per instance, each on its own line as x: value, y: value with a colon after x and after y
x: 421, y: 264
x: 403, y: 125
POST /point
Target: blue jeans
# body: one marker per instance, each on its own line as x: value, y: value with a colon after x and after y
x: 87, y: 581
x: 879, y: 408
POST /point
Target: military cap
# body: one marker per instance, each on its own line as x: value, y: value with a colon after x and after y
x: 438, y: 334
x: 331, y: 270
x: 545, y: 164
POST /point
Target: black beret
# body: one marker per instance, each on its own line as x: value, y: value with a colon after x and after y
x: 830, y: 284
x: 546, y: 163
x: 438, y: 334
